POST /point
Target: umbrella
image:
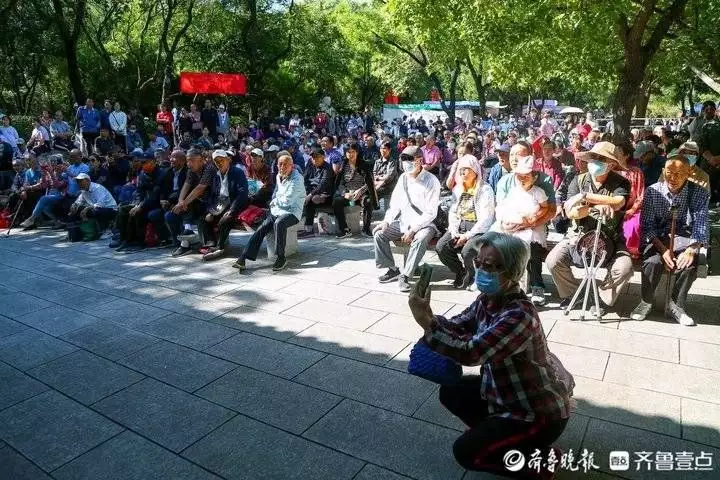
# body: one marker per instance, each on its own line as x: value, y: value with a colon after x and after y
x: 571, y: 110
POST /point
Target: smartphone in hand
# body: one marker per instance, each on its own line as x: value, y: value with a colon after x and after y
x: 425, y: 276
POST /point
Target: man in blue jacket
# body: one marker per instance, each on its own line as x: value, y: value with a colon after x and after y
x: 286, y: 209
x: 89, y: 119
x: 230, y: 198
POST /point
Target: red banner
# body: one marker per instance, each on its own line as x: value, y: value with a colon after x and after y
x: 391, y: 98
x: 218, y: 83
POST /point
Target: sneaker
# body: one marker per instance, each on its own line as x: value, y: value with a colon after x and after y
x: 403, y: 284
x: 459, y: 280
x: 115, y: 244
x: 389, y: 276
x: 29, y: 222
x: 135, y: 247
x: 345, y: 234
x: 121, y: 246
x: 239, y: 264
x: 641, y: 311
x: 679, y: 315
x: 215, y: 254
x: 538, y: 296
x: 58, y: 225
x: 280, y: 263
x: 180, y: 251
x: 367, y: 233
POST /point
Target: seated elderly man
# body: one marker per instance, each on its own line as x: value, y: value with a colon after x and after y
x: 690, y: 202
x: 171, y: 182
x: 132, y: 217
x: 285, y: 211
x: 606, y: 192
x: 231, y: 198
x: 193, y: 200
x: 94, y: 201
x: 508, y: 184
x: 413, y: 207
x: 319, y: 187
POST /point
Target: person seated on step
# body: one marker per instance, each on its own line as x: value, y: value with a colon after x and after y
x: 319, y: 187
x: 171, y: 181
x: 690, y: 202
x: 409, y: 218
x: 385, y: 171
x: 193, y: 200
x: 286, y: 209
x: 132, y: 217
x: 522, y: 400
x: 471, y: 214
x: 231, y: 198
x: 94, y: 201
x: 260, y: 181
x: 36, y: 195
x: 606, y: 192
x: 505, y: 185
x: 354, y: 185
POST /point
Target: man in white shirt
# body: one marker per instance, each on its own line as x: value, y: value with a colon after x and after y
x: 413, y: 207
x: 118, y: 124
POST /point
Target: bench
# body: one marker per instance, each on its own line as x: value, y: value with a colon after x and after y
x: 291, y: 239
x: 353, y: 215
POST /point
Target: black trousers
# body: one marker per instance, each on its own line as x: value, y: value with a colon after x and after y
x: 214, y: 231
x: 132, y: 228
x: 311, y: 207
x: 448, y: 253
x: 279, y: 226
x: 339, y: 204
x: 534, y: 267
x: 483, y: 446
x: 653, y: 268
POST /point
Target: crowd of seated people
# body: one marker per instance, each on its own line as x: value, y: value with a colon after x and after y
x: 198, y: 176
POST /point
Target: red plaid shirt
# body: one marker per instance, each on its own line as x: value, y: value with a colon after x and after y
x: 518, y: 379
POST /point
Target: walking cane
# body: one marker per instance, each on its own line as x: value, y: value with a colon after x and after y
x: 671, y: 273
x: 12, y: 222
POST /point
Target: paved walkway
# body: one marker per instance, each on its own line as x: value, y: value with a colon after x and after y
x: 141, y: 366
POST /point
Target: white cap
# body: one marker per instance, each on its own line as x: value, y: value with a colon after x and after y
x: 524, y: 165
x: 82, y: 176
x: 219, y: 153
x: 257, y: 151
x: 273, y: 148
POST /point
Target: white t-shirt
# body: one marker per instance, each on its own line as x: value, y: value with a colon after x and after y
x: 520, y: 203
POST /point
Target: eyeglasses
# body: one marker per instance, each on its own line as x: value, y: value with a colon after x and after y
x: 487, y: 266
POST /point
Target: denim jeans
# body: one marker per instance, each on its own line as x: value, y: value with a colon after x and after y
x: 45, y: 205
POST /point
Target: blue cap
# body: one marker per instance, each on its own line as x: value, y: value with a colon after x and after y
x: 138, y: 152
x: 288, y: 143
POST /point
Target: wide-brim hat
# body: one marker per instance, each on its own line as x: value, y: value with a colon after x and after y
x: 602, y: 149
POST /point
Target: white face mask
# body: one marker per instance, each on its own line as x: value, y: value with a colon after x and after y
x: 692, y: 159
x: 408, y: 166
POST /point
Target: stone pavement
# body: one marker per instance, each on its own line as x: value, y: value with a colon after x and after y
x: 141, y: 366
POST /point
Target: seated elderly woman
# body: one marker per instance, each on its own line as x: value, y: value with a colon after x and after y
x: 522, y: 400
x: 471, y: 214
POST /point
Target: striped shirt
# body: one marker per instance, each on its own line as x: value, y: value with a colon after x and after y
x: 518, y: 378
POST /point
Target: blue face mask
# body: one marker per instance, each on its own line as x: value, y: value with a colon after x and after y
x: 487, y: 283
x: 691, y: 159
x: 597, y: 168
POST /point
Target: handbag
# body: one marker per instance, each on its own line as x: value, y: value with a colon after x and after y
x: 251, y: 215
x: 440, y: 222
x: 90, y: 230
x: 428, y: 364
x: 151, y: 238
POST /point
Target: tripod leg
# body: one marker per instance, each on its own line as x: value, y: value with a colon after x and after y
x: 575, y: 296
x: 588, y: 286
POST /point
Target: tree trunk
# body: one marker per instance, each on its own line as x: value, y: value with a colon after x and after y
x: 642, y: 100
x: 480, y: 87
x: 629, y: 79
x: 73, y: 66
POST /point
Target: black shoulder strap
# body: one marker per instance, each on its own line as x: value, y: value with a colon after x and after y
x: 407, y: 194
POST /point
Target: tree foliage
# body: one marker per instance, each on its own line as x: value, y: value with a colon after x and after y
x: 606, y: 53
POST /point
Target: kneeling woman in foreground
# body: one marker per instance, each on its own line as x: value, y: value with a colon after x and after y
x: 522, y: 400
